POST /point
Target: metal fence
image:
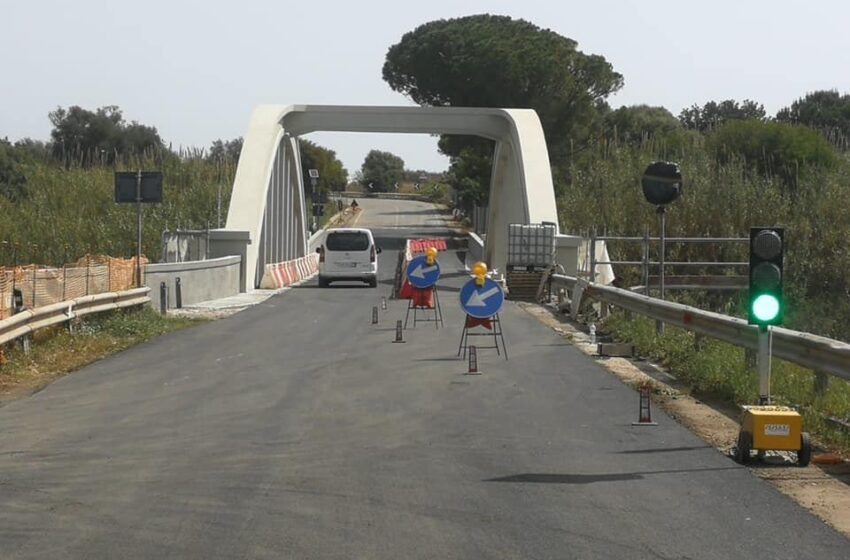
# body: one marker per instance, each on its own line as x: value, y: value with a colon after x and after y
x: 662, y: 279
x: 479, y: 219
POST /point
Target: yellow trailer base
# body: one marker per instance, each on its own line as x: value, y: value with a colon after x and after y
x: 772, y: 428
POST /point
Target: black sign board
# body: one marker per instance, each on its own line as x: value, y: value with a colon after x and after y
x: 125, y: 186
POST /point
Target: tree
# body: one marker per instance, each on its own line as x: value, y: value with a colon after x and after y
x: 229, y: 150
x: 496, y: 61
x: 712, y: 114
x: 828, y: 111
x: 332, y: 174
x: 773, y: 148
x: 101, y: 136
x: 639, y: 122
x: 12, y: 179
x: 381, y: 170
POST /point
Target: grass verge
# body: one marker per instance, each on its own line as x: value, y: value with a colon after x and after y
x: 718, y: 370
x: 55, y: 351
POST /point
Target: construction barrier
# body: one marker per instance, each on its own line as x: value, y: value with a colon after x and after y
x: 287, y: 273
x: 40, y: 286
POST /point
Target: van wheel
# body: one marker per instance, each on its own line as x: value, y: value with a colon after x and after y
x: 373, y: 282
x: 323, y: 282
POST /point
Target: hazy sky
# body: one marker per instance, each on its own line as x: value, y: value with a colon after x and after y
x: 195, y: 69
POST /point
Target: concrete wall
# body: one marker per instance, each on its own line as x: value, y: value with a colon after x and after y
x: 199, y: 280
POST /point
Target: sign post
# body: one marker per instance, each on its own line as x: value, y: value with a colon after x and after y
x: 139, y: 187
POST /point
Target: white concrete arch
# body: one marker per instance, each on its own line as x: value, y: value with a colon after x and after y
x: 267, y: 207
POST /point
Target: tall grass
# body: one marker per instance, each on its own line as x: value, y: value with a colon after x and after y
x: 718, y: 370
x: 725, y: 200
x: 70, y: 211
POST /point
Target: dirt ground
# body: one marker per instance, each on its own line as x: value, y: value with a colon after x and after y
x: 823, y: 487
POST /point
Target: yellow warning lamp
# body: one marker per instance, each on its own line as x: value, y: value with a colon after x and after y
x: 479, y: 270
x: 431, y: 255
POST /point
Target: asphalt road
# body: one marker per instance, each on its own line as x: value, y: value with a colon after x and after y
x: 296, y: 429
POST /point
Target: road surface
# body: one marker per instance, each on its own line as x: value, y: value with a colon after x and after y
x: 296, y: 429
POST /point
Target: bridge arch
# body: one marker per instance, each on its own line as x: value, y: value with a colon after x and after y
x: 268, y: 210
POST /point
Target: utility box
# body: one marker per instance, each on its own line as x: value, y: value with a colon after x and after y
x: 773, y: 427
x: 531, y: 246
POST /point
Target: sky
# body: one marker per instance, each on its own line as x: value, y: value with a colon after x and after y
x: 196, y: 69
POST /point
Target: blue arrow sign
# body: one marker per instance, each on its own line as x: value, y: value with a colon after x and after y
x: 421, y: 274
x: 483, y: 302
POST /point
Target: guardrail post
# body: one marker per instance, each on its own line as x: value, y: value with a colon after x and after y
x: 821, y: 384
x: 699, y: 342
x: 26, y: 343
x: 178, y: 293
x: 163, y: 298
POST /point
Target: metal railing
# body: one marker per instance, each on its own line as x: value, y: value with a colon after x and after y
x: 818, y: 353
x: 673, y: 282
x: 30, y: 320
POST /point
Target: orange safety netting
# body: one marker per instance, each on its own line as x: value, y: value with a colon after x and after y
x: 40, y: 286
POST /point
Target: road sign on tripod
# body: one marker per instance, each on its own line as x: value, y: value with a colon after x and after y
x: 422, y: 275
x: 481, y: 302
x: 482, y: 305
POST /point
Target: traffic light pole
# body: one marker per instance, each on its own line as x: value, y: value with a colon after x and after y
x: 662, y: 214
x: 764, y: 351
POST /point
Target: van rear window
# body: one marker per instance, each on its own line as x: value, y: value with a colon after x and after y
x: 347, y: 241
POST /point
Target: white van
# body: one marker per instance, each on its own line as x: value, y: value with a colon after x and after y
x: 348, y: 254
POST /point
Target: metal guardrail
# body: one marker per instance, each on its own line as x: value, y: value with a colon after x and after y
x: 30, y: 320
x: 808, y: 350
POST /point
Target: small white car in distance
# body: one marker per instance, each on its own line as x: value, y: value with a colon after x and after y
x: 348, y: 254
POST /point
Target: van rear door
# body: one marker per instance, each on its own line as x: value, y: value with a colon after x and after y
x: 347, y: 251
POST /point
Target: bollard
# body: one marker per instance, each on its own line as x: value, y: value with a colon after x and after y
x: 178, y: 293
x: 399, y: 334
x: 375, y: 315
x: 163, y: 298
x: 384, y: 303
x: 473, y: 362
x: 644, y: 408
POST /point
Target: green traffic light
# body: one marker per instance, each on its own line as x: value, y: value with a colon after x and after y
x: 765, y: 307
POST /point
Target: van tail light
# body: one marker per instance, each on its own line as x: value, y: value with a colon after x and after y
x: 321, y: 254
x: 373, y: 255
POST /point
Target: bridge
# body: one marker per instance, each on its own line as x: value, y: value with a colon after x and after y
x: 267, y: 219
x: 297, y: 429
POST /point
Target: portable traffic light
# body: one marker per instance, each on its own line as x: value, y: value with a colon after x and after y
x: 765, y: 304
x: 431, y: 255
x: 479, y: 270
